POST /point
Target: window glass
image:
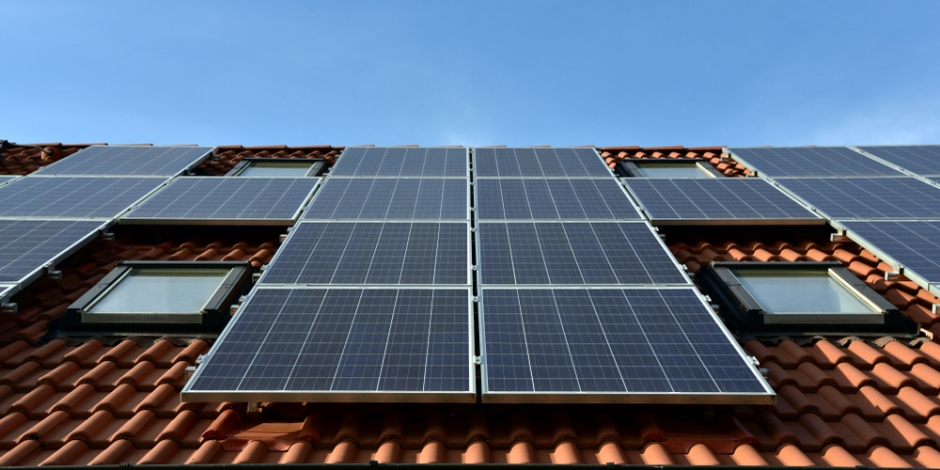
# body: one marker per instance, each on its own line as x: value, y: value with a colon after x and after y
x: 162, y: 291
x: 266, y: 169
x: 671, y: 170
x: 799, y: 291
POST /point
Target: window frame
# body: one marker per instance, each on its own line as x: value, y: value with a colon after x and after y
x: 629, y: 168
x: 745, y: 313
x: 317, y: 167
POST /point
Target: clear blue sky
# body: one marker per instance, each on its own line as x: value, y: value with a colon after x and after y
x: 471, y: 73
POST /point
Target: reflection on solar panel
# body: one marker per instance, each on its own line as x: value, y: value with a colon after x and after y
x: 574, y: 253
x: 402, y: 162
x: 235, y: 200
x: 131, y: 161
x: 716, y: 200
x: 811, y: 161
x: 73, y: 197
x: 399, y: 253
x: 918, y: 159
x: 390, y: 199
x: 868, y: 198
x: 538, y: 162
x: 560, y: 199
x: 29, y: 245
x: 342, y: 345
x: 913, y: 245
x: 610, y: 345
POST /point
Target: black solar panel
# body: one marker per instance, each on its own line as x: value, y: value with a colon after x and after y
x: 372, y: 253
x: 724, y: 199
x: 574, y: 253
x: 128, y: 161
x: 329, y: 344
x: 811, y: 161
x: 28, y: 245
x: 559, y: 199
x: 236, y: 200
x: 609, y: 345
x: 402, y: 162
x: 912, y: 244
x: 73, y: 197
x: 390, y: 199
x: 918, y: 159
x: 538, y: 162
x: 868, y: 198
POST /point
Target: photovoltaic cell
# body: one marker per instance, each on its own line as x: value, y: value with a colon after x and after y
x: 725, y: 199
x: 247, y: 200
x: 402, y: 162
x: 72, y: 197
x: 398, y: 253
x: 573, y: 253
x: 868, y: 198
x: 128, y: 161
x: 390, y: 199
x: 912, y: 244
x: 559, y: 199
x: 343, y: 345
x: 610, y: 345
x: 538, y: 162
x: 811, y: 161
x: 918, y: 159
x: 28, y: 245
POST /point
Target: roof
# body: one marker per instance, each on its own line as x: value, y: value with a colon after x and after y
x: 75, y: 401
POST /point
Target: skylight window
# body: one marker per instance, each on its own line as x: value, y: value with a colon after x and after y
x: 643, y: 168
x: 278, y: 167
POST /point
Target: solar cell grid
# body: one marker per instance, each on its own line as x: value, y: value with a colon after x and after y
x: 609, y: 345
x: 912, y: 244
x: 724, y: 200
x: 547, y: 199
x: 329, y: 344
x: 400, y: 253
x: 436, y: 162
x: 573, y: 253
x: 918, y: 159
x: 130, y: 161
x: 28, y: 245
x: 73, y: 197
x: 390, y: 199
x: 868, y: 198
x: 237, y: 200
x: 538, y: 162
x: 811, y: 161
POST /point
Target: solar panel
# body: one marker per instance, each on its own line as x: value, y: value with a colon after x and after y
x: 717, y: 201
x: 559, y: 199
x: 342, y: 345
x: 573, y: 253
x: 914, y: 245
x: 811, y: 161
x: 435, y: 162
x: 390, y: 199
x: 383, y: 253
x: 254, y: 201
x: 538, y: 162
x: 73, y: 197
x: 917, y: 159
x: 611, y: 345
x: 868, y: 198
x: 128, y: 161
x: 7, y: 178
x: 26, y: 246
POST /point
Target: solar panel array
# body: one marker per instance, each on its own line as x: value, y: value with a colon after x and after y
x: 7, y: 178
x: 538, y: 163
x: 552, y: 199
x: 714, y: 200
x: 915, y: 245
x: 868, y: 198
x: 235, y: 200
x: 402, y: 162
x: 918, y: 159
x: 26, y: 246
x: 810, y: 162
x: 128, y: 161
x: 390, y: 199
x: 78, y: 197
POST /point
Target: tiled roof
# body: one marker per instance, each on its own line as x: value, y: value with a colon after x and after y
x: 714, y: 155
x: 841, y: 401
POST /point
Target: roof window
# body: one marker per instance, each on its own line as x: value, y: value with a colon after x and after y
x: 770, y: 299
x: 645, y: 168
x: 278, y: 167
x: 161, y: 296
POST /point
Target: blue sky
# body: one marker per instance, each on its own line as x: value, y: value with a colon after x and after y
x: 471, y: 73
